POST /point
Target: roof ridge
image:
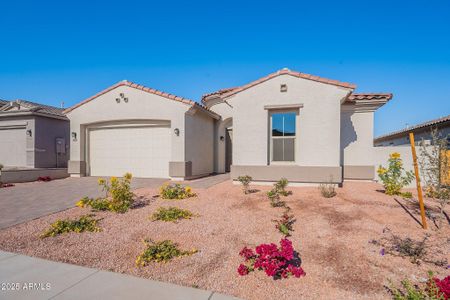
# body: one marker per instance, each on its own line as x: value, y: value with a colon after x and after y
x: 284, y: 71
x: 143, y: 88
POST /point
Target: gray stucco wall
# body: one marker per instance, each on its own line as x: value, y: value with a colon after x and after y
x: 46, y: 132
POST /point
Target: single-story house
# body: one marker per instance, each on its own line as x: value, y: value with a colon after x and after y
x: 288, y: 124
x: 421, y: 132
x: 33, y: 135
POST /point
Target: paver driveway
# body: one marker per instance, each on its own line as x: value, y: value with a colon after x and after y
x: 27, y: 201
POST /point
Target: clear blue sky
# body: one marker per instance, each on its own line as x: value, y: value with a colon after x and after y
x: 69, y: 50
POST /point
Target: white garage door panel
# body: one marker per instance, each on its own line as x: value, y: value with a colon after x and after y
x: 143, y: 151
x: 13, y: 147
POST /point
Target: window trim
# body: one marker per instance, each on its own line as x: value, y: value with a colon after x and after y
x: 271, y: 138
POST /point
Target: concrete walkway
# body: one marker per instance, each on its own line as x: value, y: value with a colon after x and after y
x: 27, y: 201
x: 42, y: 279
x: 207, y: 182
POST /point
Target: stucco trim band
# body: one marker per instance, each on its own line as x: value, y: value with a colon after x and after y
x: 180, y: 169
x: 284, y: 106
x: 359, y: 172
x: 291, y: 173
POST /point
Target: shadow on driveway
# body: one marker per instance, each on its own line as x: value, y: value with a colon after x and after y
x: 27, y: 201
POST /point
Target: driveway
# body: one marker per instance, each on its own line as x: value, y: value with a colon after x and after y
x: 27, y: 201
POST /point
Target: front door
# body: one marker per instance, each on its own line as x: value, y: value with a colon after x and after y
x: 228, y: 149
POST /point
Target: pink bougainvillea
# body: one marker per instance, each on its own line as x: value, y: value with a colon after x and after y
x: 277, y: 262
x: 444, y: 286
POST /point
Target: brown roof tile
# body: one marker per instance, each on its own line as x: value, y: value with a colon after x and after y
x: 430, y: 123
x: 369, y: 96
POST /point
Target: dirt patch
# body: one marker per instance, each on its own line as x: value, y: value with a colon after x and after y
x: 332, y: 237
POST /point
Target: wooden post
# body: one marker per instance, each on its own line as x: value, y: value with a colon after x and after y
x: 419, y: 188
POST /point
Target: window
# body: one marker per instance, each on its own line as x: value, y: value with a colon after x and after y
x: 283, y: 136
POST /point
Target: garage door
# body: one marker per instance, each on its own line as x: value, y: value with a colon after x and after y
x: 143, y: 151
x: 13, y: 147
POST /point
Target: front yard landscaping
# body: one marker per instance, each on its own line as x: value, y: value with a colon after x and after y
x: 350, y: 246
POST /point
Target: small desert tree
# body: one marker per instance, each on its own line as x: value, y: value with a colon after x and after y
x: 434, y: 164
x: 245, y: 181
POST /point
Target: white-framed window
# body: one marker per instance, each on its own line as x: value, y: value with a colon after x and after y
x: 282, y: 136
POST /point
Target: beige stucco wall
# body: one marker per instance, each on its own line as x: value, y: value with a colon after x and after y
x: 356, y: 137
x: 141, y: 106
x: 199, y: 143
x: 194, y: 142
x: 318, y: 136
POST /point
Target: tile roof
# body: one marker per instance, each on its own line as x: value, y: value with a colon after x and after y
x: 3, y: 102
x: 412, y: 128
x: 231, y: 91
x: 369, y: 96
x: 37, y: 107
x: 145, y: 89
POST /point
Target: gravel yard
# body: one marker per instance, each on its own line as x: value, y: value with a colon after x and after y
x: 332, y: 236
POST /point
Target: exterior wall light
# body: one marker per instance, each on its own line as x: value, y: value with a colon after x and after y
x: 222, y: 138
x: 74, y: 136
x: 29, y: 132
x: 283, y: 88
x: 176, y: 131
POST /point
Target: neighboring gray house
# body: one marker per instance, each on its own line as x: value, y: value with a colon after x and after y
x: 287, y: 124
x: 421, y: 132
x: 132, y: 128
x: 32, y: 135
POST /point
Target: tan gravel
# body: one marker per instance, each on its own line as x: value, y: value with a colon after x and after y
x: 332, y: 236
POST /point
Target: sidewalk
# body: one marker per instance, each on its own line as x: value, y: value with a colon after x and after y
x: 35, y: 278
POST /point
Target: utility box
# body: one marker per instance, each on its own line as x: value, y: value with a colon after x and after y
x: 60, y: 146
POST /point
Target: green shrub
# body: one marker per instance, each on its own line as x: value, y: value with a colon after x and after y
x: 275, y: 200
x: 84, y: 223
x: 407, y: 195
x: 409, y: 291
x: 280, y: 187
x: 175, y: 191
x: 171, y: 214
x: 161, y: 252
x: 118, y: 196
x: 392, y: 177
x: 245, y: 181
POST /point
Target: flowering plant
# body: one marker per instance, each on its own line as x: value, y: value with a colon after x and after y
x: 392, y: 176
x: 443, y: 286
x: 176, y: 191
x: 277, y: 262
x: 118, y: 195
